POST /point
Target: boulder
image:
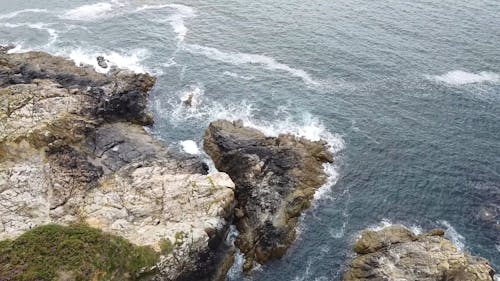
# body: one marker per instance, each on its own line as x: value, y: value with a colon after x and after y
x: 396, y: 253
x: 73, y: 150
x: 275, y: 177
x: 102, y: 62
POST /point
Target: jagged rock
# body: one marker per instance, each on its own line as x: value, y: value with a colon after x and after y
x: 275, y: 178
x: 395, y: 253
x: 73, y: 149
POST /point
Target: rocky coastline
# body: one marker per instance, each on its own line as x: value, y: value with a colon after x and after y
x: 78, y: 169
x: 396, y: 253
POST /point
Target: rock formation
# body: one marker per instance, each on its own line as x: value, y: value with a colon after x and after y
x: 396, y: 253
x: 73, y: 149
x: 275, y: 178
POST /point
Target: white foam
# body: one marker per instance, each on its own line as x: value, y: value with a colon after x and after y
x: 325, y: 190
x: 189, y: 146
x: 235, y: 75
x: 89, y: 12
x: 176, y: 20
x: 236, y: 58
x: 381, y: 225
x: 17, y: 13
x: 125, y: 61
x: 19, y: 48
x: 305, y: 126
x: 416, y: 229
x: 453, y: 235
x: 459, y: 77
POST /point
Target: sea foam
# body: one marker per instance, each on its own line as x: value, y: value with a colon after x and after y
x: 89, y: 12
x: 236, y: 58
x: 17, y: 13
x: 452, y: 234
x: 459, y: 77
x: 190, y: 147
x: 176, y: 20
x: 128, y: 61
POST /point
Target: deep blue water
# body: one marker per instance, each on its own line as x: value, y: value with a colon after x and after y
x: 406, y: 92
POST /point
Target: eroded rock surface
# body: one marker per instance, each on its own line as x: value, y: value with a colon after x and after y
x: 396, y: 253
x: 73, y: 149
x: 275, y: 178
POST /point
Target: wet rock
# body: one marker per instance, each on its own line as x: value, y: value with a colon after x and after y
x: 275, y: 178
x: 188, y: 100
x: 6, y: 48
x: 102, y: 62
x: 395, y: 253
x: 73, y: 149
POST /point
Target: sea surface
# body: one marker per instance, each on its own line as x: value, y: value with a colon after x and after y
x: 407, y: 93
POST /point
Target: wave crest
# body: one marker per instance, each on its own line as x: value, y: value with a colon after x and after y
x: 459, y: 77
x: 251, y: 59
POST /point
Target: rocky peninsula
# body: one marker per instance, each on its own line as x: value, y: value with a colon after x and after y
x: 275, y: 177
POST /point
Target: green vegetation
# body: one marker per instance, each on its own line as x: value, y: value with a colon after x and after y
x: 212, y: 185
x: 76, y: 252
x: 166, y: 246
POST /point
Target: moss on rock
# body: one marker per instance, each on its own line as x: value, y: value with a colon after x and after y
x: 76, y: 252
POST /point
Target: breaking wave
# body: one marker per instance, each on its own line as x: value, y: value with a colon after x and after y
x: 130, y: 61
x: 452, y: 234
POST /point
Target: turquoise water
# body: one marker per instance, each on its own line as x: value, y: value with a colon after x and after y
x: 406, y: 92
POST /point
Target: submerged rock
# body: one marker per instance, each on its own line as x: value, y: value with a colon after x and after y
x: 396, y: 253
x: 275, y: 177
x: 73, y: 149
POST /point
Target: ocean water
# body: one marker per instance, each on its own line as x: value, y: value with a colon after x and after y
x: 407, y: 93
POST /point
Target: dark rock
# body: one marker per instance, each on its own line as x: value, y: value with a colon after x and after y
x: 102, y: 62
x: 275, y: 178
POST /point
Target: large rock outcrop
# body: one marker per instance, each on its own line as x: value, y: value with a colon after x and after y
x: 396, y: 253
x: 275, y: 177
x: 73, y: 149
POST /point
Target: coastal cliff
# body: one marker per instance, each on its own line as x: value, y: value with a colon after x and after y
x: 73, y: 151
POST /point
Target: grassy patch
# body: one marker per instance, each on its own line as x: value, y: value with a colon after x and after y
x: 78, y: 251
